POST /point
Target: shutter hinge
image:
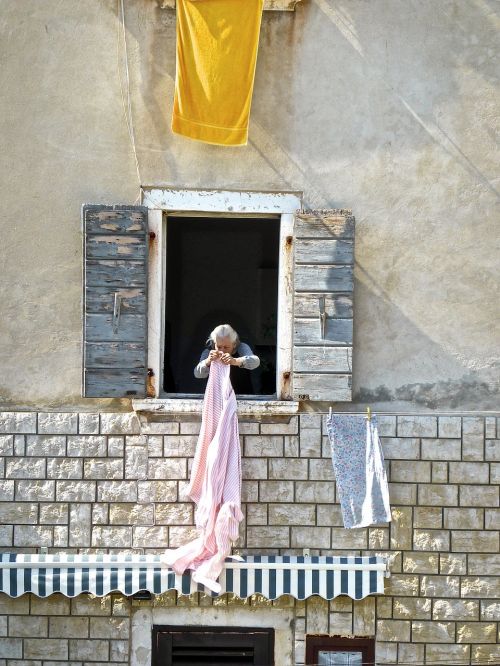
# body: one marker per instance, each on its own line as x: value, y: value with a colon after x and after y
x: 150, y: 387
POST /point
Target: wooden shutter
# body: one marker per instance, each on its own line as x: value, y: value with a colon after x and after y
x: 324, y: 262
x: 115, y: 301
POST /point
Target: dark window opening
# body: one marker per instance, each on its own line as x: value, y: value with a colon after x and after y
x: 221, y: 271
x: 235, y: 646
x: 339, y: 651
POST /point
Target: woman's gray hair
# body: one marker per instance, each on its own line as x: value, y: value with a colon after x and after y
x: 225, y: 331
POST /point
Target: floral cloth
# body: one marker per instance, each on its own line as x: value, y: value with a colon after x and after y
x: 358, y: 462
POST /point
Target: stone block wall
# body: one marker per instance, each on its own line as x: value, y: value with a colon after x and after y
x: 102, y: 482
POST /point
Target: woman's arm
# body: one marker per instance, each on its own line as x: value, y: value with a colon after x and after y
x: 201, y: 371
x: 247, y: 358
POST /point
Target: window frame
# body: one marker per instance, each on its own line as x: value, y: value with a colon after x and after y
x: 162, y: 202
x: 316, y: 643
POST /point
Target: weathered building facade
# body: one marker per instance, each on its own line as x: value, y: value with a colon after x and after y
x: 388, y: 109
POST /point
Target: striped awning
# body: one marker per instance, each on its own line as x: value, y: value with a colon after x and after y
x: 271, y: 576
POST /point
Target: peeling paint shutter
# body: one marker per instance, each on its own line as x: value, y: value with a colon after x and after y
x: 115, y: 301
x: 323, y: 281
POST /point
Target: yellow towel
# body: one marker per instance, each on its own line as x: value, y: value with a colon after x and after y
x: 217, y: 43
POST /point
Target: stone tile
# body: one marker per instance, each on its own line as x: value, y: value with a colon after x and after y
x: 422, y: 563
x: 486, y: 653
x: 93, y: 650
x: 495, y: 473
x: 88, y: 424
x: 7, y: 445
x: 386, y: 652
x: 439, y: 472
x: 291, y: 446
x: 481, y: 496
x: 450, y: 426
x: 156, y: 491
x: 288, y: 468
x: 401, y: 528
x: 475, y: 541
x: 428, y: 517
x: 86, y: 446
x: 120, y: 424
x: 6, y: 535
x: 118, y: 651
x: 57, y: 605
x: 476, y: 632
x: 438, y: 540
x: 317, y: 615
x: 341, y: 623
x: 109, y: 627
x: 154, y: 446
x: 17, y: 422
x: 492, y: 519
x: 480, y: 587
x: 318, y: 492
x: 116, y: 446
x: 25, y: 468
x: 257, y: 514
x: 321, y: 470
x: 20, y: 445
x: 410, y: 653
x: 292, y: 514
x: 310, y: 443
x: 364, y: 617
x: 18, y: 513
x: 173, y: 514
x: 131, y: 514
x: 32, y: 536
x: 68, y: 627
x: 433, y: 632
x: 88, y: 605
x: 75, y: 491
x: 14, y: 605
x: 378, y: 538
x: 466, y: 519
x: 386, y: 425
x: 464, y: 472
x: 276, y: 491
x: 455, y: 609
x: 442, y: 654
x: 45, y: 648
x: 61, y: 536
x: 136, y: 462
x: 6, y: 490
x: 441, y: 449
x: 65, y: 423
x: 110, y: 468
x: 401, y: 448
x: 80, y: 525
x: 490, y: 431
x: 384, y: 607
x: 440, y: 586
x: 11, y: 648
x: 64, y: 468
x: 26, y: 627
x: 268, y: 537
x: 490, y: 610
x: 412, y: 608
x: 180, y: 534
x: 100, y: 514
x: 352, y: 539
x: 393, y: 630
x: 329, y: 515
x: 286, y: 427
x: 111, y: 537
x: 302, y: 537
x: 403, y: 493
x: 417, y: 426
x: 254, y: 468
x: 264, y: 446
x: 410, y: 471
x: 177, y: 446
x: 492, y: 449
x: 453, y: 563
x: 170, y: 468
x: 435, y: 494
x: 117, y: 491
x: 484, y: 563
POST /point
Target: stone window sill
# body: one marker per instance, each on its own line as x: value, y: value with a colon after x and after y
x: 177, y: 406
x: 276, y: 5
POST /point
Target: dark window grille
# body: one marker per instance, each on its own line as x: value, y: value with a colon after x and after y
x: 194, y: 646
x: 339, y: 651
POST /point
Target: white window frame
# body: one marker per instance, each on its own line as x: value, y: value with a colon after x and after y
x: 224, y: 203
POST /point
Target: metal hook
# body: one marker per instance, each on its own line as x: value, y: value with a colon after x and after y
x: 322, y: 316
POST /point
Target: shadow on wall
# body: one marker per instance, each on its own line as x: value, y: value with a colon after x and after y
x: 389, y: 346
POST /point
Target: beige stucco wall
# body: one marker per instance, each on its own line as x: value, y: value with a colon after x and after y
x: 387, y: 107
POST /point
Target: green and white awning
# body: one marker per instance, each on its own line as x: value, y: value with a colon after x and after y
x: 272, y: 576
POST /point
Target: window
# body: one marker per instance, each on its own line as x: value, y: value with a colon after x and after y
x: 339, y: 651
x: 235, y: 646
x: 220, y: 269
x: 298, y: 286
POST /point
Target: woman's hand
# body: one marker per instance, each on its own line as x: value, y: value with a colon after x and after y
x: 227, y: 359
x: 213, y: 355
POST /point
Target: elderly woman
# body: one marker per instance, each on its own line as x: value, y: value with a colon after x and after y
x: 224, y: 344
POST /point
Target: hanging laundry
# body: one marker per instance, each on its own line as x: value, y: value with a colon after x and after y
x: 215, y: 485
x: 217, y: 42
x: 358, y: 462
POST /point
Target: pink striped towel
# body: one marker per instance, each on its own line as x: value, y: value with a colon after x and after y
x: 215, y: 484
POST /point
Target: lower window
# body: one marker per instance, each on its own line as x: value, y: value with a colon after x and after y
x: 339, y: 651
x: 235, y: 646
